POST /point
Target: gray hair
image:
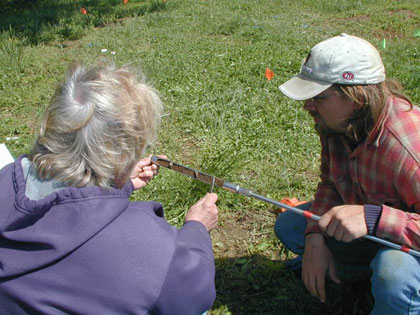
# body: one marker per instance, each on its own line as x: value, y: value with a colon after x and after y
x: 97, y: 126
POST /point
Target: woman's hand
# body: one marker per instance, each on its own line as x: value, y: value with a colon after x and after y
x: 204, y: 211
x: 144, y: 171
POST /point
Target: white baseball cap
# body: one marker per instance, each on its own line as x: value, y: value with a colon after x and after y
x: 342, y: 59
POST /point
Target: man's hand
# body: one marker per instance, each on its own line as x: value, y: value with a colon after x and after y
x: 317, y: 259
x: 143, y: 172
x: 344, y: 223
x: 204, y: 211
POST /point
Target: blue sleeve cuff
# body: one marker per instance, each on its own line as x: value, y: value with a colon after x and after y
x: 372, y: 217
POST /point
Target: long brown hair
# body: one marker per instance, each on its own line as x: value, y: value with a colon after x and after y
x: 370, y: 101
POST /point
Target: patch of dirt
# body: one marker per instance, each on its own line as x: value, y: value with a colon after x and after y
x: 242, y: 234
x: 406, y: 13
x: 381, y: 33
x: 252, y: 279
x: 363, y: 18
x: 359, y: 18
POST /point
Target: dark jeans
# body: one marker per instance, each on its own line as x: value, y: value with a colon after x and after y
x: 395, y: 275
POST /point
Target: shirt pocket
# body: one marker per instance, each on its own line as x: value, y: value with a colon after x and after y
x: 344, y: 187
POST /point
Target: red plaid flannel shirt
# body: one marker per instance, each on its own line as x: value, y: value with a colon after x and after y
x: 384, y: 170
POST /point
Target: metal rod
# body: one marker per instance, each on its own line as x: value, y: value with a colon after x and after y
x: 215, y: 181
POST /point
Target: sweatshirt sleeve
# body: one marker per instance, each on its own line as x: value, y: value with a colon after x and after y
x: 189, y: 284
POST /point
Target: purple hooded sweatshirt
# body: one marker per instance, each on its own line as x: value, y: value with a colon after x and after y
x: 92, y: 251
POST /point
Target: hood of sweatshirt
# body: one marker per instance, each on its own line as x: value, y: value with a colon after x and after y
x: 37, y: 233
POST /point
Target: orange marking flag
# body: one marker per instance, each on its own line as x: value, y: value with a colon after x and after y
x: 269, y: 74
x: 83, y: 10
x: 293, y: 202
x: 125, y: 1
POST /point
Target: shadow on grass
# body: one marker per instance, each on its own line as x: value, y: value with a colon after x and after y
x: 257, y: 285
x: 48, y: 20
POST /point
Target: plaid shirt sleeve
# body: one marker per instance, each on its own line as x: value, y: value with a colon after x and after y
x: 400, y: 226
x: 326, y: 195
x: 400, y: 222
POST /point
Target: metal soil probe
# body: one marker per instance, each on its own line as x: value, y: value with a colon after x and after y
x: 215, y: 181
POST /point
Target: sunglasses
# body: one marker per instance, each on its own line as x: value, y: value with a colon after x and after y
x: 317, y: 98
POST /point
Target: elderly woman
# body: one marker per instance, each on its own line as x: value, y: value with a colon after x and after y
x: 70, y: 239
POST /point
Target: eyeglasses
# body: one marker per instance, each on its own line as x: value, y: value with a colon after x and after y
x: 317, y: 98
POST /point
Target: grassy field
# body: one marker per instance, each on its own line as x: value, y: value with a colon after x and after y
x: 208, y: 58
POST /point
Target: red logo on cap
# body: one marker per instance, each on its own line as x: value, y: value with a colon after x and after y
x: 348, y: 75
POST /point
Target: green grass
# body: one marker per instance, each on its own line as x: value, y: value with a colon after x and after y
x: 59, y: 20
x: 208, y: 58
